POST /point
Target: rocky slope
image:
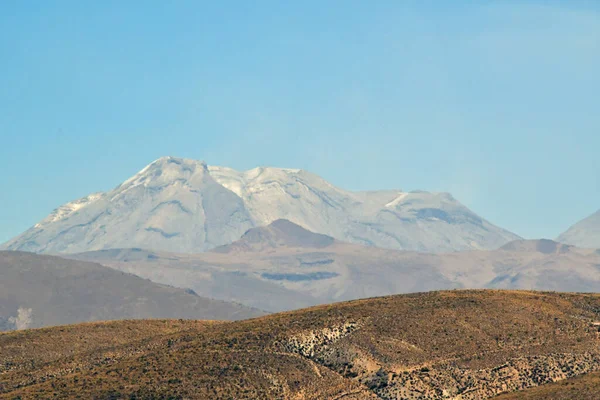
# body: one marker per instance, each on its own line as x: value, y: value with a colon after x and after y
x: 439, y: 345
x: 585, y: 233
x: 585, y: 387
x: 181, y: 205
x: 40, y: 290
x: 283, y: 266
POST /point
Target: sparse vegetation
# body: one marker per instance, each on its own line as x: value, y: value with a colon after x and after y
x: 476, y: 344
x: 586, y: 387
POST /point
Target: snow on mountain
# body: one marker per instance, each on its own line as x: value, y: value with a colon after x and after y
x: 585, y: 233
x: 182, y: 205
x: 171, y: 204
x: 67, y: 209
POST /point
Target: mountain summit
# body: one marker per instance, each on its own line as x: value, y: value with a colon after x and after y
x: 279, y: 233
x: 183, y: 205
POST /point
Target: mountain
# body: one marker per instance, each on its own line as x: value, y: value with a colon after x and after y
x: 185, y: 206
x: 283, y: 266
x: 279, y: 233
x: 440, y: 345
x: 40, y: 290
x: 170, y: 204
x: 585, y: 233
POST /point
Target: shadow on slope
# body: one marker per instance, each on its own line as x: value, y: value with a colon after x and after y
x: 40, y: 290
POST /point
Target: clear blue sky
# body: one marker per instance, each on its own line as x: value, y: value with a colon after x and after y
x: 496, y: 102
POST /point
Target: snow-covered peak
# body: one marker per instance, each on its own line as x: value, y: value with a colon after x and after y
x: 167, y: 171
x: 585, y: 233
x: 68, y: 209
x: 173, y: 164
x: 182, y: 205
x: 259, y: 179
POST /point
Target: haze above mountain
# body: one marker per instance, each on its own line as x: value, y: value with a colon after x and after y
x: 283, y: 266
x: 41, y: 290
x: 185, y: 206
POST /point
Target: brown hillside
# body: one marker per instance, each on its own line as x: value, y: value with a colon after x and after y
x: 436, y: 345
x: 586, y: 387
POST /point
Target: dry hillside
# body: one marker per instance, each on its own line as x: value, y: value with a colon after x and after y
x: 585, y: 387
x: 472, y: 344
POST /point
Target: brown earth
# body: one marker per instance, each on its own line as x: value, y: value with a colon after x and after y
x: 453, y: 344
x: 586, y: 387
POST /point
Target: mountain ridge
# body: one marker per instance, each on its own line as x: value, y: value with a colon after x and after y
x: 182, y: 205
x: 41, y: 290
x: 268, y: 270
x: 584, y: 233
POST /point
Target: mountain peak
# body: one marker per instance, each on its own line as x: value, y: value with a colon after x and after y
x: 177, y: 160
x: 182, y: 205
x: 168, y: 170
x: 279, y: 233
x: 175, y: 163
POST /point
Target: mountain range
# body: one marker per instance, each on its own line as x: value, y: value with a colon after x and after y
x: 283, y: 266
x: 184, y: 206
x: 187, y: 241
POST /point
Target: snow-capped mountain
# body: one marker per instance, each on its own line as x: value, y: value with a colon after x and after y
x: 585, y: 233
x: 182, y: 205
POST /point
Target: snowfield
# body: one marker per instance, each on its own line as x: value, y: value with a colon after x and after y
x: 182, y: 205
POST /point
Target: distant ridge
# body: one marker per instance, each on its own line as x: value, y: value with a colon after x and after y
x: 283, y: 266
x: 585, y: 233
x: 41, y: 290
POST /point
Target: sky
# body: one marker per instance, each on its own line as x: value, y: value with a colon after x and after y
x: 497, y: 102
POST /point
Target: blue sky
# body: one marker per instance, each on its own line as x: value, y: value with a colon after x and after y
x: 496, y: 102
